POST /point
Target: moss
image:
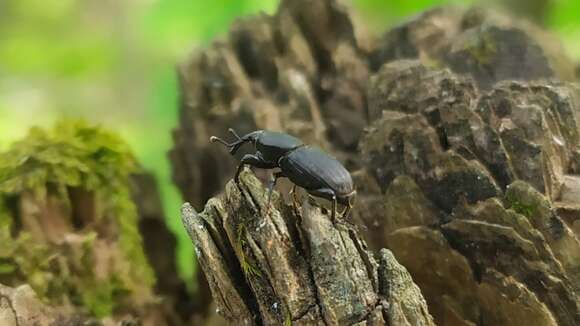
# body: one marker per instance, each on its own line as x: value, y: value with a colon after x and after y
x: 247, y: 267
x: 102, y: 297
x: 28, y: 261
x: 520, y: 207
x: 482, y: 49
x: 524, y: 199
x: 288, y: 319
x: 72, y: 155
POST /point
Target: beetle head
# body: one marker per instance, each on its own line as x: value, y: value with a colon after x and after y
x: 235, y: 146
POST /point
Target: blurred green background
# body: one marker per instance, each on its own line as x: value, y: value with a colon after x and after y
x: 113, y: 62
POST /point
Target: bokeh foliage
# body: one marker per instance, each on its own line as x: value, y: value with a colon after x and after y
x: 113, y: 62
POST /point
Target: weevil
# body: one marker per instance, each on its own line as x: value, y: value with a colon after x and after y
x: 307, y: 167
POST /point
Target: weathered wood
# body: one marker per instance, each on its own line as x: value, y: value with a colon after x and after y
x: 267, y: 266
x: 19, y: 307
x: 466, y: 169
x: 486, y: 175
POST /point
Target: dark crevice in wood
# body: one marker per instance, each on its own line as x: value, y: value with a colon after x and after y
x: 303, y: 243
x: 365, y: 258
x: 234, y: 270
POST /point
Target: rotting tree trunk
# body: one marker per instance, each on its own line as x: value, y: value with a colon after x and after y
x: 468, y: 168
x: 266, y: 266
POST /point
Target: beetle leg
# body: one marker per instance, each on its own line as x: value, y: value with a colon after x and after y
x: 271, y: 185
x: 294, y: 200
x: 348, y: 206
x: 270, y: 190
x: 333, y: 216
x: 328, y: 194
x: 252, y: 160
x: 346, y: 211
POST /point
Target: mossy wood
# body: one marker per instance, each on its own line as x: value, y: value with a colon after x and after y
x: 68, y: 225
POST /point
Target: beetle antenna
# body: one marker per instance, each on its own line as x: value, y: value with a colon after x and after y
x: 232, y: 147
x: 231, y: 130
x: 213, y: 139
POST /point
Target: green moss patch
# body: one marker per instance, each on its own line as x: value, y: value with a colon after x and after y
x: 97, y: 260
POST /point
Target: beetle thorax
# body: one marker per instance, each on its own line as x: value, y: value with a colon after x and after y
x: 274, y: 145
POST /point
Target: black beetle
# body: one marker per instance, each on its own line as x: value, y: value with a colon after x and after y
x: 318, y: 173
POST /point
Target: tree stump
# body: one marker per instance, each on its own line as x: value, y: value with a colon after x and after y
x: 462, y: 129
x: 267, y: 266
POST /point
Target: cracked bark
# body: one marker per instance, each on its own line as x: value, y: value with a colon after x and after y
x: 261, y: 272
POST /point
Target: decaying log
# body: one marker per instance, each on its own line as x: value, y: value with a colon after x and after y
x: 267, y: 266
